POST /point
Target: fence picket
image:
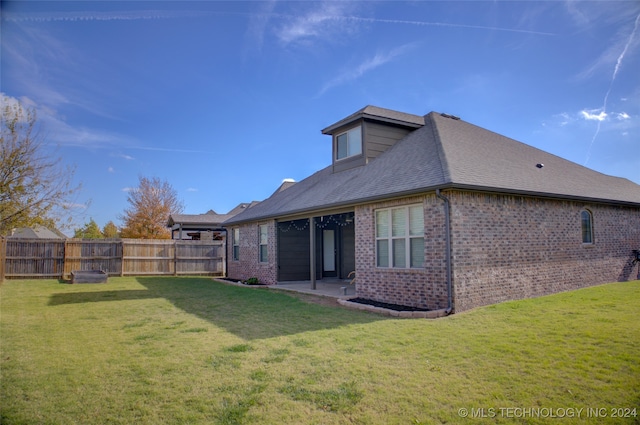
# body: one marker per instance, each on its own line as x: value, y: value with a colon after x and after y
x: 55, y: 258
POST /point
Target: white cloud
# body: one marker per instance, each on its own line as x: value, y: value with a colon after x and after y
x: 129, y: 189
x: 111, y: 170
x: 564, y: 119
x: 591, y: 115
x: 192, y: 189
x: 623, y: 116
x: 353, y: 73
x: 321, y: 22
x: 259, y: 22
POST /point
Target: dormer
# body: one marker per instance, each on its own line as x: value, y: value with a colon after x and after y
x: 364, y: 135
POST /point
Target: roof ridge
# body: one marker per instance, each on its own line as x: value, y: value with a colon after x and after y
x: 444, y: 163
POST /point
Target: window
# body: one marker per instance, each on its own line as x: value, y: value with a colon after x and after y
x: 400, y: 237
x: 263, y: 243
x: 349, y: 143
x: 587, y: 226
x: 235, y: 242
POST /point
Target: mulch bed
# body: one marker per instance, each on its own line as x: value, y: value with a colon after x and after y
x: 238, y: 281
x: 388, y: 306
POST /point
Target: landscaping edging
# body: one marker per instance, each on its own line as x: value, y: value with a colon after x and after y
x: 240, y: 283
x: 433, y: 314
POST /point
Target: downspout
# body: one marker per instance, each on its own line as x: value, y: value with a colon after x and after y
x: 447, y: 224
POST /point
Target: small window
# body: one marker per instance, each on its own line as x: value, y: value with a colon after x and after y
x: 587, y: 226
x: 263, y: 243
x: 349, y: 143
x: 400, y: 237
x: 235, y: 242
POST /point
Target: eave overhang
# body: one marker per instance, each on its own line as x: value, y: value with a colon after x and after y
x: 348, y: 205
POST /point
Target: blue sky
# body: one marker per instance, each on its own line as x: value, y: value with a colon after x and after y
x: 224, y: 100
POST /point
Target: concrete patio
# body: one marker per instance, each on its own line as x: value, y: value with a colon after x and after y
x: 335, y: 288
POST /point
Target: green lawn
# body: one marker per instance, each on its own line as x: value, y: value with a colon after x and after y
x: 193, y: 351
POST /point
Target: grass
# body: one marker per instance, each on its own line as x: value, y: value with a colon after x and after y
x: 190, y: 350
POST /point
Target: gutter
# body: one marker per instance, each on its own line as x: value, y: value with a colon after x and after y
x: 447, y: 223
x: 317, y: 209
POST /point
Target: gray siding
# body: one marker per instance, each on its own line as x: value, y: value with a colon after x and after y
x: 348, y: 163
x: 376, y: 139
x: 380, y: 137
x: 348, y: 251
x: 293, y: 254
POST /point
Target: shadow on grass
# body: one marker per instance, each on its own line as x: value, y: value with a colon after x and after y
x: 249, y: 313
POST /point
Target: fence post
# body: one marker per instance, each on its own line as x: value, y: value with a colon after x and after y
x: 3, y: 257
x: 65, y: 250
x: 121, y: 257
x: 224, y: 257
x: 175, y: 258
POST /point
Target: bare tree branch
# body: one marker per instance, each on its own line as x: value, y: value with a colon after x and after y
x: 35, y: 188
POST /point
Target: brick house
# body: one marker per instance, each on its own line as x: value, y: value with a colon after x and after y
x: 434, y: 212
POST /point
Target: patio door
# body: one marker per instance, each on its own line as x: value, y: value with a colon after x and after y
x: 329, y: 253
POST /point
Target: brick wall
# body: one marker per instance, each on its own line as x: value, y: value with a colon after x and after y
x: 248, y: 265
x: 512, y: 247
x: 503, y: 247
x: 425, y: 288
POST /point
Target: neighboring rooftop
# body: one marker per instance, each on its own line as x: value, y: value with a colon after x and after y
x: 210, y: 218
x: 36, y: 232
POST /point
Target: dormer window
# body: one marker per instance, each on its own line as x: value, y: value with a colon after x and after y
x: 349, y: 143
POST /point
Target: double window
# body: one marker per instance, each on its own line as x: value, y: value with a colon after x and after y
x: 264, y: 238
x: 400, y: 237
x: 587, y: 226
x: 349, y: 143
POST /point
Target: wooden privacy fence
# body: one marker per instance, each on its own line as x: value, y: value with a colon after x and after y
x: 57, y: 258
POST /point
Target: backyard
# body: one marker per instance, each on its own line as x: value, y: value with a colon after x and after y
x: 190, y: 350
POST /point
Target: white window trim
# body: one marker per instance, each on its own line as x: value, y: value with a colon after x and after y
x: 349, y: 155
x: 591, y: 227
x: 390, y: 238
x: 235, y: 242
x: 261, y: 243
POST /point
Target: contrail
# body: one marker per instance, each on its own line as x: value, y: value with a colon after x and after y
x: 172, y: 14
x: 613, y: 78
x: 441, y: 24
x: 99, y: 16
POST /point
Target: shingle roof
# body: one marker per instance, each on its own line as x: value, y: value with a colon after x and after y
x: 210, y: 218
x: 447, y: 153
x: 36, y: 232
x: 379, y: 114
x: 481, y: 158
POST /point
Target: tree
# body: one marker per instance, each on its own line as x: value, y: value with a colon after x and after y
x: 89, y: 231
x: 151, y: 204
x: 110, y: 230
x: 35, y: 188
